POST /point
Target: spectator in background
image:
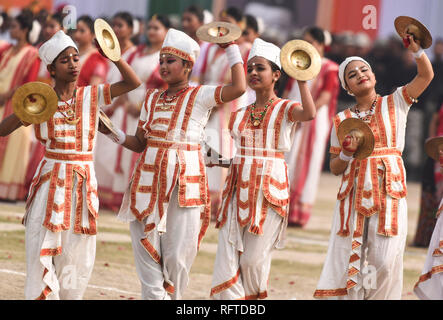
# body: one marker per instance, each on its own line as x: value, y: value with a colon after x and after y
x: 436, y: 87
x: 19, y: 64
x: 431, y: 188
x: 138, y: 36
x: 4, y: 27
x: 193, y: 18
x: 362, y: 44
x: 252, y: 30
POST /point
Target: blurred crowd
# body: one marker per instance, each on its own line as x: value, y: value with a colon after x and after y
x: 391, y: 62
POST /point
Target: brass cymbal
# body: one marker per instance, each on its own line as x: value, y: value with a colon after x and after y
x: 219, y: 32
x: 433, y: 146
x: 34, y: 102
x: 408, y: 25
x: 368, y: 142
x: 107, y: 39
x: 300, y: 60
x: 103, y: 118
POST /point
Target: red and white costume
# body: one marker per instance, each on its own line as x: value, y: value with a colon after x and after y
x: 92, y: 64
x: 253, y: 214
x: 430, y: 284
x: 62, y: 204
x: 306, y: 156
x: 168, y: 193
x: 370, y: 212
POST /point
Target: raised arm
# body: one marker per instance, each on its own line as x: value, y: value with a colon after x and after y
x: 307, y: 110
x: 238, y: 84
x: 130, y: 79
x: 9, y: 125
x: 425, y: 73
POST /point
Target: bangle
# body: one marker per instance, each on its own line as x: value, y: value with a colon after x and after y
x: 119, y: 137
x: 344, y: 157
x: 234, y: 55
x: 418, y: 54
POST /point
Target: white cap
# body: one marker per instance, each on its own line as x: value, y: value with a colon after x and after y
x: 265, y: 50
x: 208, y: 17
x: 181, y: 45
x: 344, y: 64
x: 54, y: 46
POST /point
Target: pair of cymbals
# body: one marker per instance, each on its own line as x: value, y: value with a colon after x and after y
x: 107, y: 40
x: 407, y: 25
x: 367, y: 142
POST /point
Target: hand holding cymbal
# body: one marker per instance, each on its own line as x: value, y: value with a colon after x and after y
x: 105, y: 124
x: 219, y: 32
x: 107, y: 40
x: 412, y: 30
x: 356, y: 138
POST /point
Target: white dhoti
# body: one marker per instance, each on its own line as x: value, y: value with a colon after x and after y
x: 243, y: 260
x: 430, y: 283
x: 380, y: 266
x: 56, y: 275
x: 178, y: 251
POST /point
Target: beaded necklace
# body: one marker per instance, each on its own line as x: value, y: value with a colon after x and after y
x: 369, y: 113
x: 171, y: 99
x: 256, y: 120
x: 69, y: 108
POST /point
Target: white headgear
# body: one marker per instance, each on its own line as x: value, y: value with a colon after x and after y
x: 265, y: 50
x: 54, y: 46
x: 344, y: 64
x: 181, y: 45
x: 34, y: 32
x: 135, y: 26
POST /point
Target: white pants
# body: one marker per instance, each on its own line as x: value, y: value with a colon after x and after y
x: 68, y: 273
x: 381, y: 267
x: 178, y: 249
x: 243, y: 260
x: 430, y: 283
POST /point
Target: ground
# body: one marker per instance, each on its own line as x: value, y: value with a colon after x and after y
x: 294, y: 273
